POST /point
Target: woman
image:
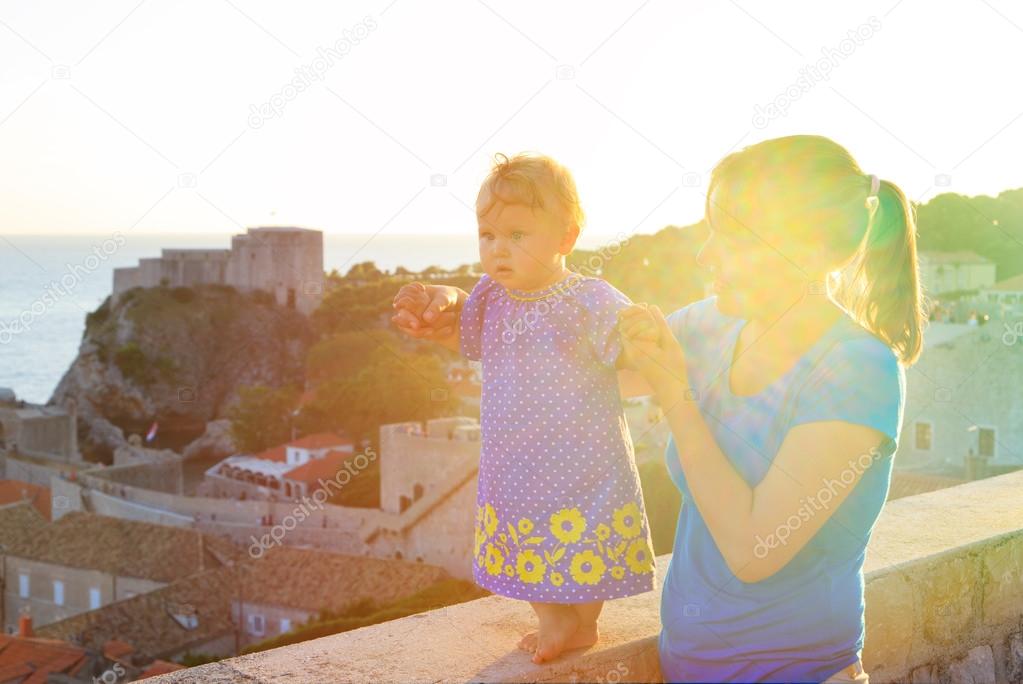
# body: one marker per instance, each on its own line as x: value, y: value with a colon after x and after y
x: 785, y: 407
x: 784, y: 394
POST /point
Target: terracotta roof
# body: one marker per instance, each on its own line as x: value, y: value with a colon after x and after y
x: 320, y: 440
x: 127, y: 548
x: 13, y: 491
x: 1014, y: 284
x: 308, y: 579
x: 159, y: 667
x: 147, y: 620
x: 325, y: 467
x: 115, y: 649
x: 961, y: 257
x: 277, y: 453
x: 36, y: 657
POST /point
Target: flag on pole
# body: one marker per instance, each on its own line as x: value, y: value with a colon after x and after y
x: 151, y: 435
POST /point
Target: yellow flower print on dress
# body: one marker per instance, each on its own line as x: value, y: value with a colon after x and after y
x: 603, y: 532
x: 557, y: 579
x: 525, y: 526
x: 574, y: 520
x: 587, y: 567
x: 494, y: 560
x: 638, y: 557
x: 618, y: 572
x: 530, y: 567
x: 509, y: 570
x: 489, y: 520
x: 480, y: 538
x: 628, y: 521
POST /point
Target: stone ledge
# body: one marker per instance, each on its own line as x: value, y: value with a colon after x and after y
x: 944, y: 575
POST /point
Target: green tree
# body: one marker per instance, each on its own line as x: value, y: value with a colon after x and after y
x: 262, y: 416
x: 365, y: 270
x: 391, y: 388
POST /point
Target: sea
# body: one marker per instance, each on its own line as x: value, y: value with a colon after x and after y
x: 48, y: 283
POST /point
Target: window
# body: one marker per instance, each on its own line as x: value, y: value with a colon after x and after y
x: 923, y: 436
x: 94, y: 597
x: 23, y: 585
x: 256, y: 625
x: 58, y: 592
x: 285, y: 625
x: 986, y: 442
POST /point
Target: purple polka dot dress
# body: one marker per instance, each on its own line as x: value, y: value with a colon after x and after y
x: 559, y: 514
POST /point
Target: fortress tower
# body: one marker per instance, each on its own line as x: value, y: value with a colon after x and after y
x: 286, y: 262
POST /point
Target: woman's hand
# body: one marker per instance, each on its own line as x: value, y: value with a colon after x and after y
x: 651, y: 349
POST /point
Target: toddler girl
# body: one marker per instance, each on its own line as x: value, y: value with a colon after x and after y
x: 560, y: 520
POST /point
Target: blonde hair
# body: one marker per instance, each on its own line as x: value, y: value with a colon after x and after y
x: 525, y: 179
x: 817, y: 197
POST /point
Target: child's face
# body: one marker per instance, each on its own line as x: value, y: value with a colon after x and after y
x: 523, y: 248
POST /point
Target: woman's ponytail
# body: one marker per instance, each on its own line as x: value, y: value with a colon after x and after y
x: 881, y: 287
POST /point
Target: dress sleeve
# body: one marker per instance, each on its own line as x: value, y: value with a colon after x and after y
x: 858, y: 381
x: 470, y: 321
x: 603, y: 304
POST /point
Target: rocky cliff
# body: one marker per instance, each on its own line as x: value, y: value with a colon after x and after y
x: 177, y: 356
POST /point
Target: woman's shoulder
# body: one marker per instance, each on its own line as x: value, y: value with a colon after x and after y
x: 856, y: 347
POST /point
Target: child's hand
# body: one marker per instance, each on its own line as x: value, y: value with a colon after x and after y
x: 426, y: 311
x: 412, y: 298
x: 651, y: 349
x: 637, y: 324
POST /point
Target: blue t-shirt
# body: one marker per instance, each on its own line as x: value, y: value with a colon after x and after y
x: 805, y: 622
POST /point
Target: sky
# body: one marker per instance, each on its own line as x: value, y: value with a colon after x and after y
x: 372, y: 117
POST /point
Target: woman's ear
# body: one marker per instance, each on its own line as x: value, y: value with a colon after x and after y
x: 569, y: 238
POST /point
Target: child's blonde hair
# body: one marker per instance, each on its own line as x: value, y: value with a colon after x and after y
x: 524, y: 178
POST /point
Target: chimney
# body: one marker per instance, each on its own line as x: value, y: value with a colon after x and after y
x: 25, y: 625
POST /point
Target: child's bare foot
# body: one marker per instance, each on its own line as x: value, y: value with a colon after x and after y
x: 583, y: 637
x: 557, y: 626
x: 529, y: 641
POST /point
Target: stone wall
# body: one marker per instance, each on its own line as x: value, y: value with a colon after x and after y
x: 944, y: 575
x: 415, y: 458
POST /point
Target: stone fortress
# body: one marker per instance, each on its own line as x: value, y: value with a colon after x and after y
x: 284, y: 261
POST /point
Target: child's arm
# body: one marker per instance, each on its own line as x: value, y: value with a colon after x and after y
x: 630, y: 382
x: 430, y: 312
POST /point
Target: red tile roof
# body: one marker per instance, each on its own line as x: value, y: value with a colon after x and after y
x: 159, y: 667
x: 35, y: 657
x: 12, y: 491
x: 326, y: 467
x: 115, y: 649
x: 277, y: 453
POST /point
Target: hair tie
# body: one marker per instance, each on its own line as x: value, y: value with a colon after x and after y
x: 872, y: 201
x: 875, y: 185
